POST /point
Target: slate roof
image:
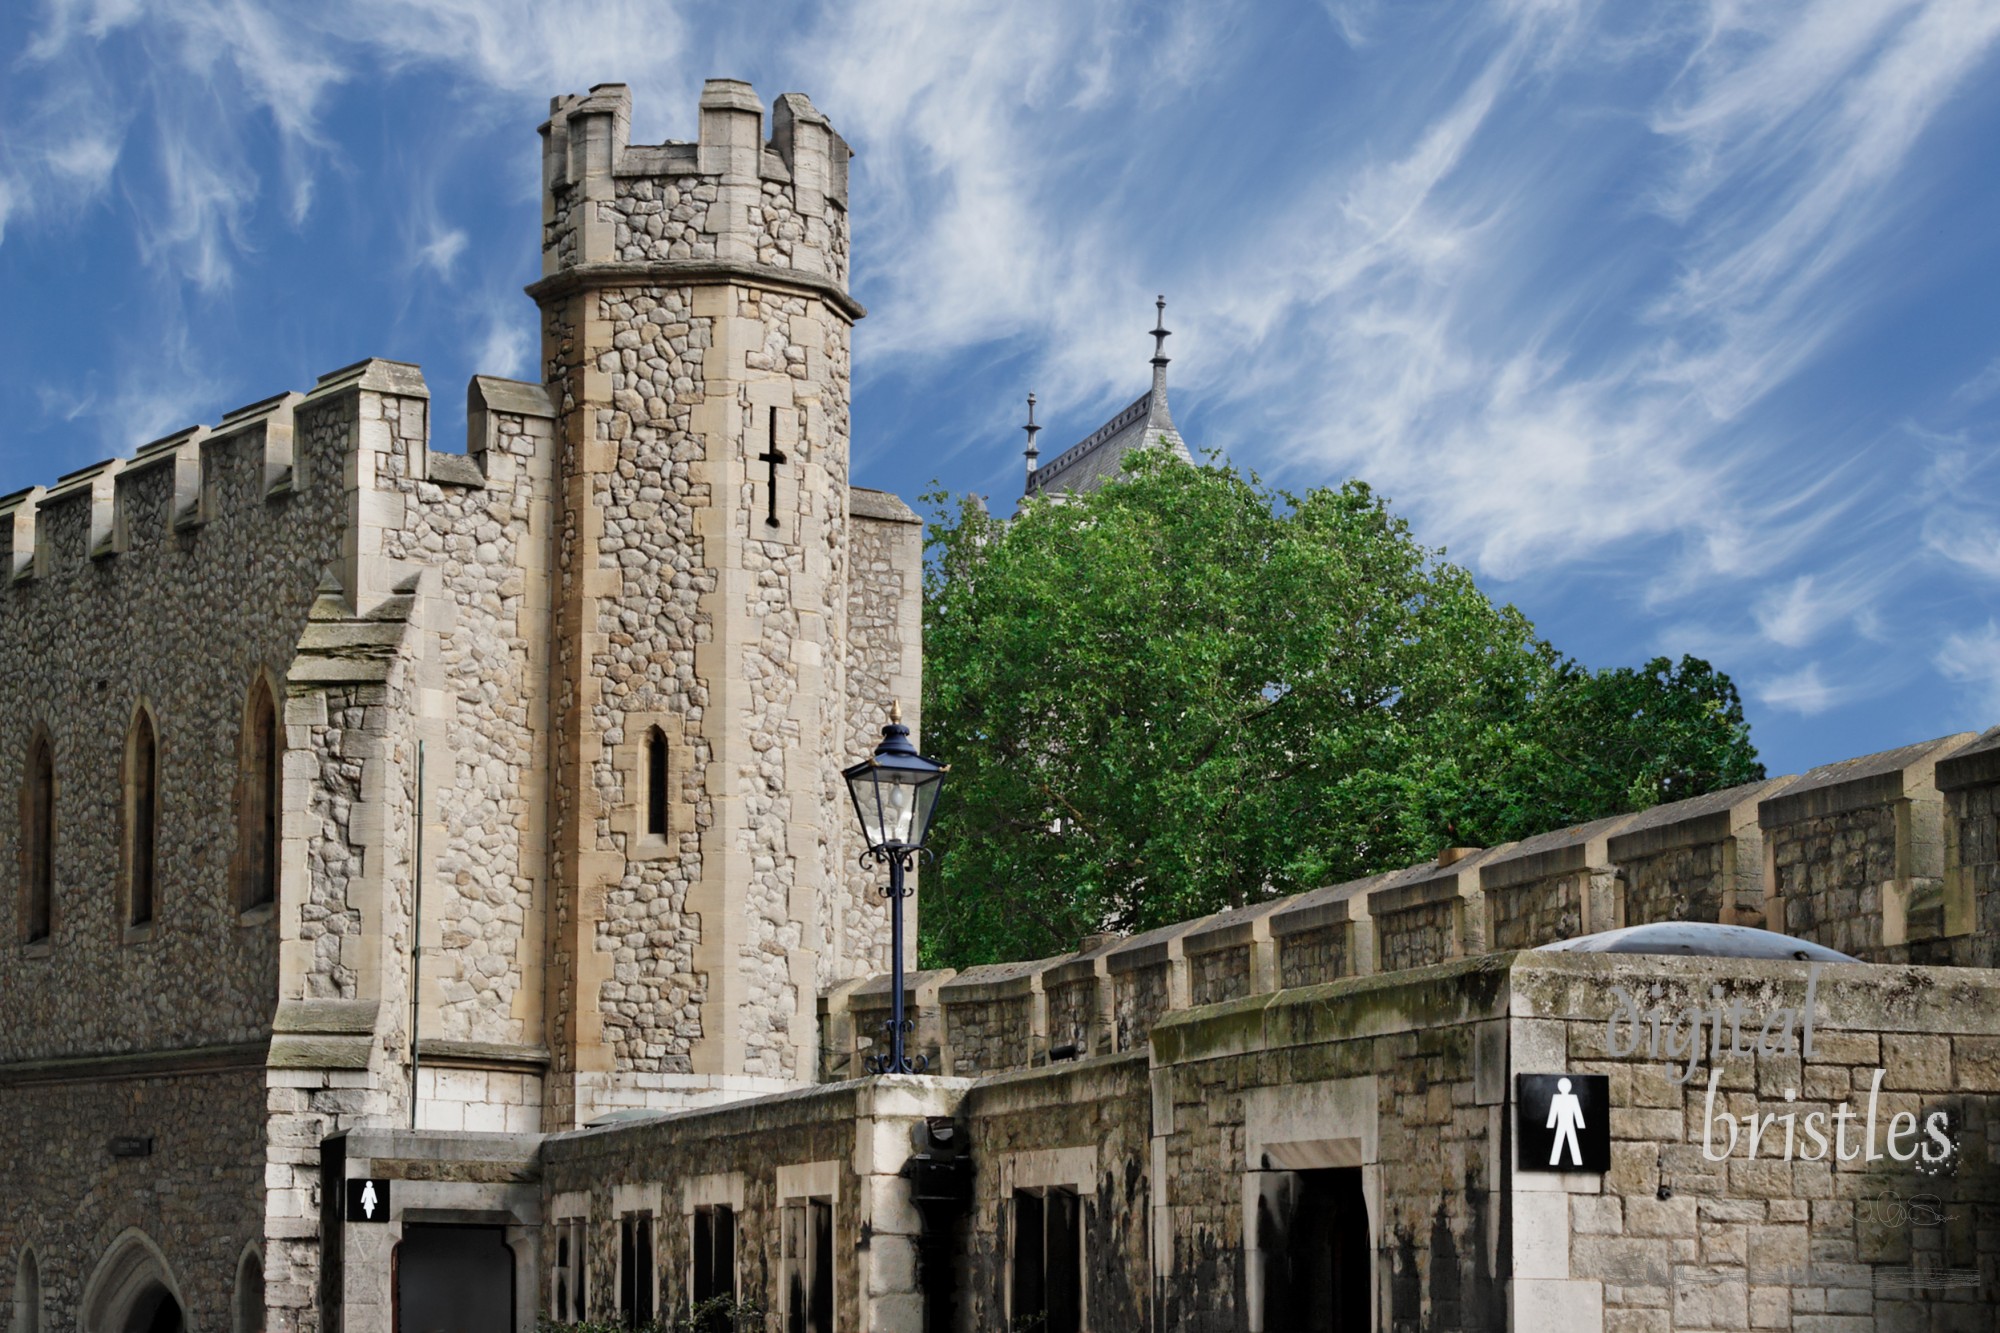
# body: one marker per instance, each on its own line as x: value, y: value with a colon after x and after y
x: 1100, y: 456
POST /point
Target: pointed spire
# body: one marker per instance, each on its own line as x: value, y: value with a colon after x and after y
x: 1031, y: 428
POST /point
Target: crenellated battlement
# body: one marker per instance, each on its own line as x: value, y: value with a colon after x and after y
x: 1889, y: 857
x: 258, y: 457
x: 771, y: 208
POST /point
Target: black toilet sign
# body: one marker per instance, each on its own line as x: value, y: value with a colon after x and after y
x: 367, y: 1201
x: 1562, y: 1122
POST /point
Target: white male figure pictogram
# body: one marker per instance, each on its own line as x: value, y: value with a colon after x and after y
x: 1565, y: 1118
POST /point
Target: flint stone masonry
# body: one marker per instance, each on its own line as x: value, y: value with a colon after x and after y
x: 478, y: 646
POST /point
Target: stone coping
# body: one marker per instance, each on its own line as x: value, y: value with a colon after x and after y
x: 885, y: 506
x: 1325, y: 907
x: 1231, y: 929
x: 1078, y: 967
x: 1853, y: 784
x: 1152, y: 948
x: 1053, y: 1076
x: 1430, y: 883
x: 908, y: 1095
x: 914, y: 984
x: 446, y: 1053
x: 1695, y: 822
x: 1562, y: 852
x: 1972, y: 765
x: 521, y: 398
x: 992, y: 981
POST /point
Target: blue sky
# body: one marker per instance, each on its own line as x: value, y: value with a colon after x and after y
x: 1675, y: 322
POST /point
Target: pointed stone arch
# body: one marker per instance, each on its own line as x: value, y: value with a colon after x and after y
x: 38, y: 838
x: 139, y: 841
x: 30, y: 1314
x: 260, y: 785
x: 247, y: 1306
x: 133, y: 1290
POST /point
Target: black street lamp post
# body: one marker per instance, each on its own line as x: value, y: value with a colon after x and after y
x: 895, y: 792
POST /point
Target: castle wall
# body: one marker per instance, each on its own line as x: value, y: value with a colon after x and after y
x: 196, y: 584
x: 1854, y: 855
x: 843, y: 1143
x: 196, y: 1196
x: 1081, y: 1127
x: 1970, y: 782
x: 885, y: 661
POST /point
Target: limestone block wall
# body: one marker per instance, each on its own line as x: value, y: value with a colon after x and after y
x: 1431, y: 913
x: 869, y: 1008
x: 1688, y: 1233
x: 995, y: 1018
x: 1231, y: 954
x: 1080, y: 1127
x: 1146, y: 976
x: 1078, y: 996
x: 195, y: 1198
x: 1398, y: 1075
x: 844, y: 1142
x: 1700, y: 859
x: 1326, y: 934
x: 1854, y: 854
x: 1554, y: 886
x: 1970, y: 782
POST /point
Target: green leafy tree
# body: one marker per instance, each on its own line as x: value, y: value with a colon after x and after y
x: 1185, y: 692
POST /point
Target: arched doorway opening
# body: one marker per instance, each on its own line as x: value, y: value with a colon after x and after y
x: 133, y: 1290
x: 155, y: 1311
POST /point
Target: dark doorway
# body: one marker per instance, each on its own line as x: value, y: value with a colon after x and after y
x: 454, y: 1279
x: 155, y: 1312
x: 1315, y: 1240
x: 1048, y: 1261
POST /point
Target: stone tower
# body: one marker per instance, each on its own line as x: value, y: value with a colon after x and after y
x: 695, y: 323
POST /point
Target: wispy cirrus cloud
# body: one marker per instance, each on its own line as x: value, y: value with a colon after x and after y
x: 1578, y: 285
x: 1972, y: 659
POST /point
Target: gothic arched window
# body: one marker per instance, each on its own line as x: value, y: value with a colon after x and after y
x: 28, y: 1294
x: 142, y: 820
x: 656, y: 783
x: 38, y: 833
x: 258, y: 793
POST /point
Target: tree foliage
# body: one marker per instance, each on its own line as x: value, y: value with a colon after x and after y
x: 1184, y: 692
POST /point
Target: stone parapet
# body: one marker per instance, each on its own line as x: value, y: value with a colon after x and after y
x: 1854, y: 856
x: 1701, y: 859
x: 1432, y: 913
x: 1325, y: 934
x: 1553, y: 886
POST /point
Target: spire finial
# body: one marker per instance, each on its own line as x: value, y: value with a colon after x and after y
x: 1160, y: 332
x: 1031, y: 428
x: 896, y: 710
